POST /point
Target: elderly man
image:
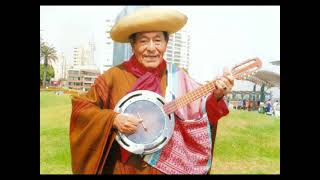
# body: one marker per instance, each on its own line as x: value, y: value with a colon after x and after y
x: 94, y: 122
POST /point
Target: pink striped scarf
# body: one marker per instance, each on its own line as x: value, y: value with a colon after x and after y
x: 189, y: 149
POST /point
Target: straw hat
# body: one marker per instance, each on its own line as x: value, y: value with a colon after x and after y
x: 147, y: 19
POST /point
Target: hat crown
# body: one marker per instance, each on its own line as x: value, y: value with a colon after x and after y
x: 148, y: 19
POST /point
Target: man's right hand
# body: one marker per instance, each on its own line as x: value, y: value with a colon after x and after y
x: 126, y: 123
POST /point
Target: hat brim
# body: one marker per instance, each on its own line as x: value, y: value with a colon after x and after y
x: 146, y: 20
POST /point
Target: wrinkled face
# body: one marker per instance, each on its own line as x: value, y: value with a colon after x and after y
x: 149, y: 48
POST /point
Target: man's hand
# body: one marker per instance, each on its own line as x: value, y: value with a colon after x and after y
x: 126, y: 123
x: 223, y: 84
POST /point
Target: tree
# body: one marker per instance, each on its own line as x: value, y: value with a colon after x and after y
x: 50, y: 73
x: 49, y: 54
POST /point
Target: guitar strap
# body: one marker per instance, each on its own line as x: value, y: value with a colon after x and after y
x: 169, y: 89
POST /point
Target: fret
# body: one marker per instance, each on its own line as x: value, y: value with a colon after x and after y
x: 189, y: 97
x: 170, y: 107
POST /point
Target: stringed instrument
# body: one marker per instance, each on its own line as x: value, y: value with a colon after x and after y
x: 158, y: 115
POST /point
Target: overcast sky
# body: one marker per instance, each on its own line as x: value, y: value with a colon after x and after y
x: 220, y: 35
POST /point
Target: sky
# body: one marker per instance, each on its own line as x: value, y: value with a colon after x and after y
x: 221, y: 36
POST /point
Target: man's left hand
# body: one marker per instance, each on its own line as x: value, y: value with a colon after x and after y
x: 223, y: 84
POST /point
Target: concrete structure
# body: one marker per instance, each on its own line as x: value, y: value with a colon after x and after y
x: 178, y: 49
x: 262, y: 81
x: 82, y: 78
x: 109, y: 47
x: 82, y: 72
x: 59, y: 67
x: 83, y: 54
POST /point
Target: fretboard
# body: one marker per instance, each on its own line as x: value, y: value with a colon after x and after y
x: 188, y: 98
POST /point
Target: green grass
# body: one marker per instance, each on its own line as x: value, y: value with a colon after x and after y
x: 54, y: 133
x: 246, y: 142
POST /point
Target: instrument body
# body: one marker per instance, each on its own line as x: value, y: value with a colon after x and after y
x: 157, y: 127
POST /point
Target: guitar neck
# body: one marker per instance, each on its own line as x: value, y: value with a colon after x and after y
x: 188, y: 98
x: 239, y: 71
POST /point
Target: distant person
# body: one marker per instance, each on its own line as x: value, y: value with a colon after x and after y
x: 268, y: 107
x: 230, y: 105
x: 244, y: 104
x: 240, y: 106
x: 276, y: 108
x: 262, y: 108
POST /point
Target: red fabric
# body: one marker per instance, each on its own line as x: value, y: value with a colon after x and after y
x: 215, y: 109
x: 149, y: 79
x: 188, y: 151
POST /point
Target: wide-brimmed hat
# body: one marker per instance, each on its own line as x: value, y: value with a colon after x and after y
x: 148, y: 19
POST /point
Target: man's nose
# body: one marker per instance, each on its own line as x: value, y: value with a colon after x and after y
x: 151, y: 46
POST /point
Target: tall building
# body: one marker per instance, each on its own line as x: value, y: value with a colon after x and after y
x: 59, y: 67
x: 83, y: 55
x: 82, y: 73
x: 92, y: 49
x: 109, y: 47
x: 178, y: 49
x: 76, y: 57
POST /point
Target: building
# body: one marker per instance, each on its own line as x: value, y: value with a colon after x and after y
x: 83, y: 55
x: 178, y: 49
x: 82, y: 78
x: 76, y: 57
x: 82, y: 72
x: 109, y: 47
x: 59, y: 67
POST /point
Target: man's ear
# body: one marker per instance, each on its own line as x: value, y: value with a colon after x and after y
x: 132, y: 44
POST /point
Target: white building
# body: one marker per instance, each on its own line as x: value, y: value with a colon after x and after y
x: 178, y: 49
x: 59, y: 67
x: 83, y: 77
x: 109, y: 47
x: 76, y: 61
x: 83, y: 55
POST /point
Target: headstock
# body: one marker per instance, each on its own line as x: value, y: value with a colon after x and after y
x: 246, y: 68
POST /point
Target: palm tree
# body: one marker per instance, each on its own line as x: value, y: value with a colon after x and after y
x: 49, y: 54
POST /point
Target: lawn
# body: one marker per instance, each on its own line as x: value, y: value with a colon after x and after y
x: 54, y: 133
x: 246, y: 142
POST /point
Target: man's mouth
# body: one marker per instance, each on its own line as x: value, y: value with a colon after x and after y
x: 151, y: 56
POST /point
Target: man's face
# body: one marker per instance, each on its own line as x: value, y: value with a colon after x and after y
x: 149, y: 48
